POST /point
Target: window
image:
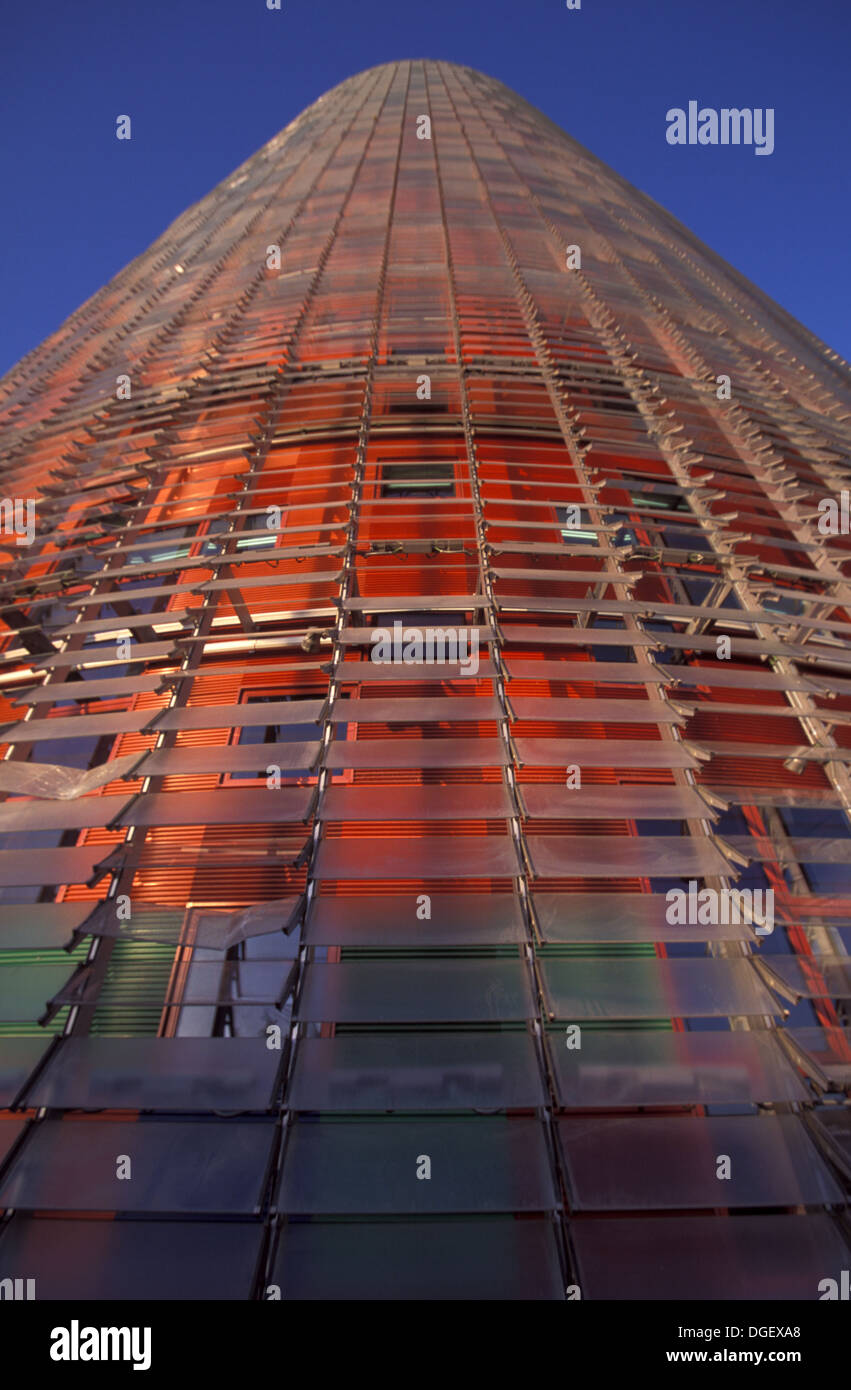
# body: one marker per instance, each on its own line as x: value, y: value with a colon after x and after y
x: 427, y: 479
x: 264, y: 734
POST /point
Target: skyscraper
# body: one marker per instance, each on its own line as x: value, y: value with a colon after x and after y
x: 426, y: 691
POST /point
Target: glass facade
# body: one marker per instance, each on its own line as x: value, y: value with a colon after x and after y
x: 425, y: 725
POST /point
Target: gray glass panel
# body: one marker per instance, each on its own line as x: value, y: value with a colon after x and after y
x: 624, y: 989
x: 207, y: 927
x: 365, y: 636
x: 425, y: 1071
x: 709, y: 1257
x: 370, y: 671
x: 76, y: 726
x: 593, y: 711
x: 18, y: 817
x: 813, y: 977
x: 664, y: 1162
x: 210, y: 982
x: 419, y: 710
x: 198, y: 1166
x: 831, y: 1128
x: 417, y: 603
x: 105, y: 652
x: 39, y: 925
x: 158, y: 1074
x: 578, y: 637
x: 624, y: 856
x: 18, y: 1059
x: 456, y: 919
x: 362, y: 1167
x: 237, y: 806
x: 230, y: 757
x: 175, y: 617
x: 603, y: 752
x: 484, y: 1258
x: 480, y: 802
x: 555, y: 801
x: 812, y: 850
x: 422, y: 991
x: 826, y: 1053
x: 615, y: 917
x: 416, y: 753
x: 633, y: 1068
x: 99, y: 689
x: 26, y: 990
x: 271, y: 581
x: 513, y: 547
x: 598, y: 672
x: 777, y: 796
x: 238, y: 716
x: 775, y: 752
x: 719, y: 675
x: 130, y: 1260
x: 29, y: 868
x: 739, y: 646
x: 429, y: 856
x: 11, y: 1128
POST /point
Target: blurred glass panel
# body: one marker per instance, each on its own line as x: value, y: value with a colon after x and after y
x: 429, y: 856
x: 483, y: 1258
x: 615, y: 917
x: 707, y: 1257
x: 483, y: 801
x: 26, y: 990
x: 416, y: 753
x: 456, y: 919
x: 158, y: 1074
x: 361, y: 1167
x: 709, y: 1068
x: 625, y: 989
x: 203, y: 1166
x: 425, y: 1071
x: 666, y: 1162
x: 18, y: 1059
x: 129, y: 1260
x: 625, y: 856
x: 420, y: 991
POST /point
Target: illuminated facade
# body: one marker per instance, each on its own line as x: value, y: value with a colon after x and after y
x: 426, y: 717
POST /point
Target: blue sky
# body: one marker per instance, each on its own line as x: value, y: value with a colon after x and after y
x: 207, y: 82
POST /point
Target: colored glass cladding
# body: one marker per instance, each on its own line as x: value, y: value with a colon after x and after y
x: 426, y: 724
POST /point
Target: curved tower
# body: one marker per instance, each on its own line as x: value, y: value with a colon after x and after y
x: 426, y: 720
